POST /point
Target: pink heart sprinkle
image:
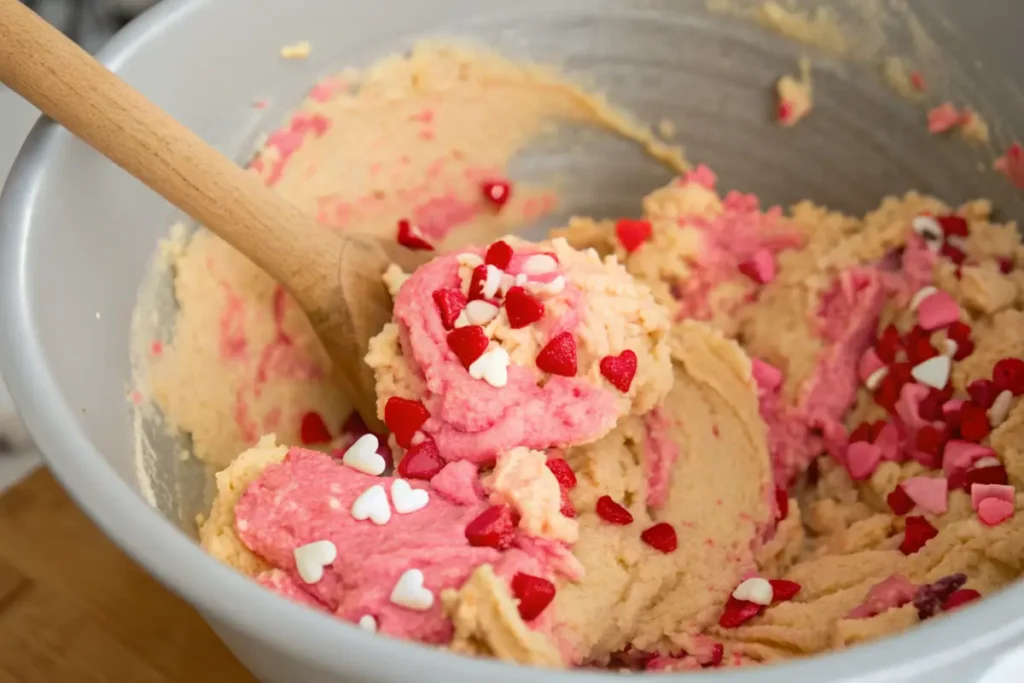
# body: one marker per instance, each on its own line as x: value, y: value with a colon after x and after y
x: 908, y: 405
x: 983, y: 492
x: 888, y: 441
x: 960, y: 455
x: 760, y: 267
x: 929, y: 493
x: 938, y: 311
x: 861, y: 459
x: 869, y: 364
x: 994, y: 511
x: 767, y: 376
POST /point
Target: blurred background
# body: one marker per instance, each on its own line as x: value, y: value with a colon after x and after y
x: 90, y: 23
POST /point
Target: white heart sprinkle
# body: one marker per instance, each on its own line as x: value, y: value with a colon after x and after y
x: 491, y: 282
x: 875, y: 378
x: 410, y: 592
x: 492, y: 367
x: 928, y: 228
x: 480, y: 312
x: 950, y: 347
x: 755, y: 590
x: 539, y: 263
x: 933, y: 372
x: 363, y: 456
x: 406, y: 499
x: 1000, y: 408
x: 469, y: 260
x: 368, y: 623
x: 372, y: 504
x: 310, y: 559
x: 921, y: 295
x: 987, y: 461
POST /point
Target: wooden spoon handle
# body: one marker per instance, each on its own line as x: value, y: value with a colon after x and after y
x: 61, y: 79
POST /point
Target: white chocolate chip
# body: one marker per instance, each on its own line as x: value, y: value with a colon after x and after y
x: 368, y: 623
x: 933, y: 372
x: 491, y: 282
x: 507, y: 282
x: 479, y: 312
x: 394, y: 278
x: 372, y: 504
x: 1000, y: 408
x: 362, y: 456
x: 755, y: 590
x: 553, y: 288
x: 540, y: 263
x: 950, y: 348
x: 921, y: 295
x: 929, y: 229
x: 468, y: 260
x: 875, y: 378
x: 492, y: 367
x: 410, y: 592
x: 462, y: 320
x: 310, y: 559
x: 406, y: 499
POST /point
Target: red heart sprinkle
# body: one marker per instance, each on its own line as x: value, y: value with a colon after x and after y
x: 717, y: 653
x: 738, y: 612
x: 567, y: 509
x: 450, y: 302
x: 410, y: 237
x: 888, y: 392
x: 558, y: 357
x: 404, y: 418
x: 954, y: 254
x: 889, y: 344
x: 782, y: 503
x: 661, y: 537
x: 1005, y: 266
x: 522, y: 308
x: 993, y: 474
x: 963, y: 349
x: 899, y: 501
x: 498, y: 255
x: 563, y: 473
x: 930, y: 408
x: 632, y: 233
x: 476, y: 283
x: 974, y: 425
x: 620, y: 369
x: 959, y: 332
x: 496, y: 192
x: 861, y: 432
x: 421, y: 461
x: 783, y: 590
x: 533, y: 593
x: 918, y: 532
x: 956, y: 481
x: 932, y: 440
x: 612, y: 512
x: 1008, y: 375
x: 983, y: 392
x: 953, y: 225
x: 468, y: 343
x: 918, y: 346
x: 960, y: 597
x: 495, y: 528
x: 314, y: 429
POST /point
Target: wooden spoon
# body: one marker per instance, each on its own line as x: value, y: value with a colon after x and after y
x: 335, y: 278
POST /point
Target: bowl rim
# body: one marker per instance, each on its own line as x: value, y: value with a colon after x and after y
x: 233, y: 600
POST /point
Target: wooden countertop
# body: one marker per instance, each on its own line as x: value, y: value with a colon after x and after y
x: 75, y: 609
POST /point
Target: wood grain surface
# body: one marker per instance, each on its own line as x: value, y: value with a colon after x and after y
x: 75, y: 609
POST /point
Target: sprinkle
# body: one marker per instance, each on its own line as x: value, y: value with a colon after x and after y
x: 480, y: 312
x: 450, y: 303
x: 949, y: 348
x: 738, y: 612
x: 310, y: 559
x: 960, y: 455
x: 933, y: 372
x: 558, y: 356
x: 491, y: 282
x: 469, y: 260
x: 930, y: 230
x: 368, y: 623
x: 994, y: 511
x: 929, y: 493
x: 974, y: 424
x: 953, y: 225
x: 783, y: 590
x: 563, y: 472
x: 982, y: 492
x: 875, y: 378
x: 422, y: 461
x: 868, y: 364
x: 406, y: 499
x: 362, y: 456
x: 491, y: 367
x: 862, y: 459
x: 918, y: 531
x: 661, y: 537
x: 938, y: 310
x: 767, y: 376
x: 538, y: 264
x: 612, y: 512
x: 499, y: 255
x: 497, y: 192
x: 988, y: 474
x: 404, y: 418
x: 755, y: 590
x: 468, y: 343
x: 313, y: 429
x: 619, y: 370
x: 928, y: 599
x: 372, y: 504
x: 899, y: 501
x: 534, y: 594
x: 410, y: 592
x: 633, y: 233
x: 522, y: 308
x: 410, y: 237
x: 760, y: 267
x: 1000, y: 408
x: 495, y: 528
x: 921, y: 295
x: 1008, y: 374
x: 960, y: 597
